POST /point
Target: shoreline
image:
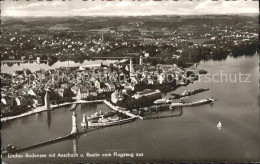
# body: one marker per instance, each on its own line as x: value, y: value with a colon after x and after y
x: 43, y: 109
x: 53, y: 107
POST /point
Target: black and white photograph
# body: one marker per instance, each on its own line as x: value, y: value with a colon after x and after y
x: 96, y: 81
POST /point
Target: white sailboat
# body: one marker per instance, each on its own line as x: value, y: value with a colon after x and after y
x: 219, y: 125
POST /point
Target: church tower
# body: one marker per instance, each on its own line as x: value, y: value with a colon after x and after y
x: 141, y: 60
x: 47, y: 100
x: 74, y: 129
x: 131, y: 69
x: 79, y: 94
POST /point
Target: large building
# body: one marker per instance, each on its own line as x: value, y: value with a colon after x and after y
x: 82, y: 93
x: 116, y: 96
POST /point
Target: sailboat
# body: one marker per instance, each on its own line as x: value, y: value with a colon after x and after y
x: 219, y: 125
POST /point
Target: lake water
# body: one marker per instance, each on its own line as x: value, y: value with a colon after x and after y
x: 191, y: 137
x: 33, y: 66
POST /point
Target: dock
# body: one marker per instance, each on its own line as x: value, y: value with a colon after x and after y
x: 194, y: 92
x: 122, y: 110
x: 198, y: 102
x: 165, y: 116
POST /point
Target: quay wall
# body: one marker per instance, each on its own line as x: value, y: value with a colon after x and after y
x: 43, y: 109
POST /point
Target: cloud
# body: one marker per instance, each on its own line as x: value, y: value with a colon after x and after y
x: 149, y: 4
x: 43, y: 4
x: 108, y: 4
x: 223, y: 7
x: 125, y: 7
x: 96, y: 8
x: 123, y: 4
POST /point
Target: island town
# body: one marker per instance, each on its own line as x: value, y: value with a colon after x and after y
x: 123, y: 83
x: 147, y: 64
x: 131, y: 87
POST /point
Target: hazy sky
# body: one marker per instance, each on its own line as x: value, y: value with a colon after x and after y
x: 125, y: 7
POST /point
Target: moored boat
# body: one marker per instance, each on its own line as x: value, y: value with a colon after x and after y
x: 162, y: 101
x: 203, y: 72
x: 103, y: 120
x: 95, y: 115
x: 113, y: 118
x: 110, y: 123
x: 109, y: 114
x: 186, y: 93
x: 198, y: 102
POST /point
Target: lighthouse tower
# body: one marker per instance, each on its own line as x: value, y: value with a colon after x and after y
x: 47, y: 100
x: 84, y: 123
x: 74, y: 129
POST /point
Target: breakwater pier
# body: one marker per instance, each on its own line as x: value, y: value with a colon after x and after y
x: 75, y: 131
x: 164, y: 116
x: 50, y: 141
x: 35, y: 145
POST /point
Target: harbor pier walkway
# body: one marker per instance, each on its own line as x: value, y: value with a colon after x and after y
x: 122, y: 110
x: 35, y: 145
x: 50, y: 141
